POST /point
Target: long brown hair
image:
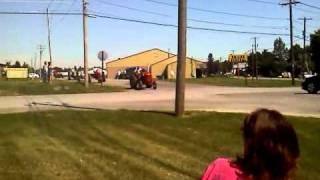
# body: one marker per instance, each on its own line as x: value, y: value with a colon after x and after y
x: 271, y: 146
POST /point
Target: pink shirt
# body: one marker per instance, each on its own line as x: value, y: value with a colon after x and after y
x: 222, y: 169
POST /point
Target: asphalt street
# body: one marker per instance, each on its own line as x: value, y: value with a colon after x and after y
x: 290, y: 101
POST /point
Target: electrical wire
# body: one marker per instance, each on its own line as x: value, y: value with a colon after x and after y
x: 192, y: 19
x: 264, y: 2
x: 237, y: 25
x: 306, y: 11
x: 50, y: 3
x: 311, y: 6
x: 189, y: 27
x: 132, y: 9
x: 70, y: 7
x: 150, y: 23
x: 39, y: 13
x: 217, y: 12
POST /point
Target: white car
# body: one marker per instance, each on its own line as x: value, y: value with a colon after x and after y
x: 33, y: 75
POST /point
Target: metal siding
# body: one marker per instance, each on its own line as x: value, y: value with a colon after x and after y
x: 17, y: 73
x: 159, y: 68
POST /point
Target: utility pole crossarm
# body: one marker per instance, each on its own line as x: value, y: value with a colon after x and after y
x: 290, y: 2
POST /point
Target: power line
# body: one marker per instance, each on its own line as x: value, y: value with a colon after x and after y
x: 38, y: 13
x: 131, y: 8
x: 50, y: 4
x: 273, y: 3
x: 70, y: 7
x: 276, y: 4
x: 298, y: 22
x: 217, y: 12
x: 148, y: 22
x: 192, y: 19
x: 237, y: 25
x: 189, y: 27
x: 264, y: 2
x: 26, y: 1
x: 311, y: 6
x: 306, y: 11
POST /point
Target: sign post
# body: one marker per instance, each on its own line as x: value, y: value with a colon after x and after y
x: 102, y: 55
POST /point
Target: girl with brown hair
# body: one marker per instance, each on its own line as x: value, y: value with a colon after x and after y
x: 271, y: 150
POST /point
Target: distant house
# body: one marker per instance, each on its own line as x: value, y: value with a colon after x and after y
x: 162, y: 64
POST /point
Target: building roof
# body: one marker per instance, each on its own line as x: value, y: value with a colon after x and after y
x: 144, y: 58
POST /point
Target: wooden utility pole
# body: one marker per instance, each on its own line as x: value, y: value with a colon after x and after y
x: 30, y: 67
x: 252, y: 62
x: 34, y: 65
x: 255, y: 58
x: 49, y: 36
x: 290, y: 3
x: 41, y: 48
x: 181, y: 64
x: 49, y: 46
x: 85, y: 44
x: 304, y: 40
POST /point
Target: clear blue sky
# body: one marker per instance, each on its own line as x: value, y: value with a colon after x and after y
x: 21, y: 34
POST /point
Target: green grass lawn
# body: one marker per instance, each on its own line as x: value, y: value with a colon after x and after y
x: 130, y: 145
x: 35, y: 87
x: 234, y: 82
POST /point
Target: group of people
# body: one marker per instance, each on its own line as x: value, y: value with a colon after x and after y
x: 270, y: 151
x: 46, y: 72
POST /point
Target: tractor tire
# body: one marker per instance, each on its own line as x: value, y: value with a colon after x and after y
x: 154, y: 85
x: 133, y: 82
x: 311, y: 88
x: 139, y: 85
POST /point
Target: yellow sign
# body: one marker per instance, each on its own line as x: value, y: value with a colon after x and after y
x: 17, y: 73
x: 238, y: 58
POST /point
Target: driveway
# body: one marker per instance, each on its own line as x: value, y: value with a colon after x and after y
x: 290, y: 101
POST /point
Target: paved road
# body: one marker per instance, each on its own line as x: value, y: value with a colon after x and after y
x: 291, y: 101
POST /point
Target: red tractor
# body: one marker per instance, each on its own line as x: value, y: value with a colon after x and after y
x: 141, y: 78
x: 98, y: 76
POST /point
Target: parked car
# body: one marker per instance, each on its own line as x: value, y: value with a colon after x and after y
x: 60, y: 74
x: 311, y: 84
x: 285, y: 75
x: 33, y: 75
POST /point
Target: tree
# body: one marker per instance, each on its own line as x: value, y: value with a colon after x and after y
x: 268, y: 64
x: 225, y: 67
x: 17, y: 64
x: 315, y: 51
x: 279, y: 50
x: 210, y: 64
x: 25, y: 65
x: 299, y: 61
x: 8, y: 63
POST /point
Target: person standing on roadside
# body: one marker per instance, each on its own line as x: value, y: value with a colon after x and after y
x: 45, y: 72
x: 49, y: 71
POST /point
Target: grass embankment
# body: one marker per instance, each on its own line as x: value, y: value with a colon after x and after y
x: 130, y: 145
x: 35, y: 87
x: 236, y: 82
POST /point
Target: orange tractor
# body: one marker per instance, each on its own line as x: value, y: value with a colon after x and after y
x: 140, y: 78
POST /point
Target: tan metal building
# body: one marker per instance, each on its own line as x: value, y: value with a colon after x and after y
x: 162, y: 64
